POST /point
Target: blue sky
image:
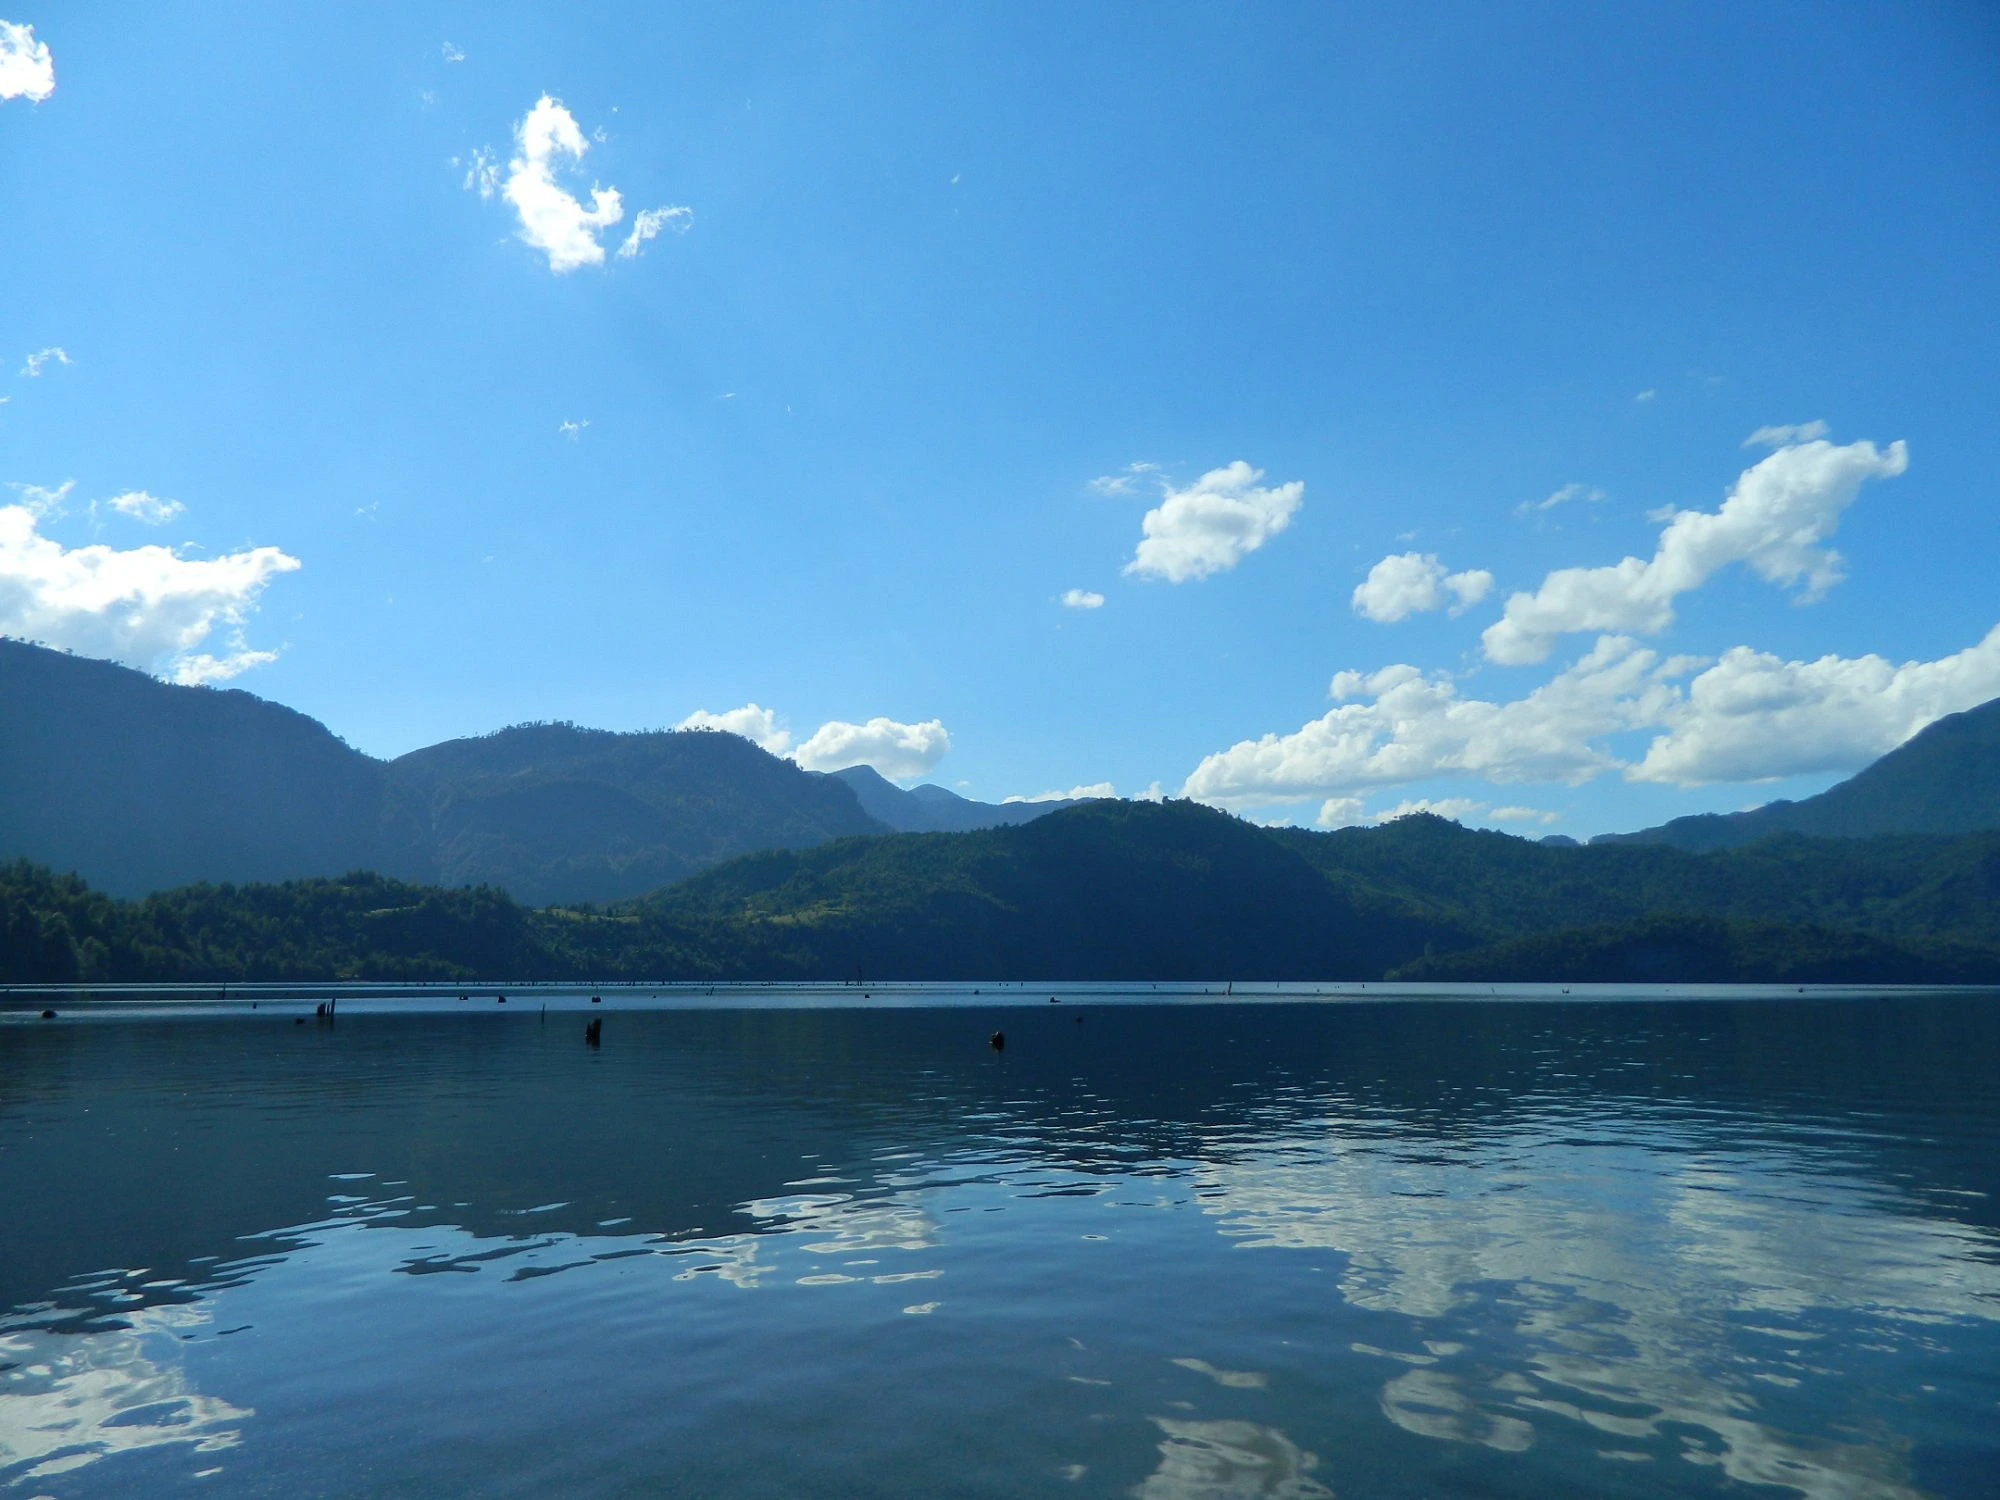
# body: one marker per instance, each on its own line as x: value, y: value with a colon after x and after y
x: 1214, y: 314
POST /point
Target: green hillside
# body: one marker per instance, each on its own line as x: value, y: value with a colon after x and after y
x: 1106, y: 890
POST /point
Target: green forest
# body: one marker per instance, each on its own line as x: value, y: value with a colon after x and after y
x: 1109, y: 890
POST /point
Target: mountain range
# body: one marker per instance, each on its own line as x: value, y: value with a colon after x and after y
x: 214, y: 835
x: 139, y: 785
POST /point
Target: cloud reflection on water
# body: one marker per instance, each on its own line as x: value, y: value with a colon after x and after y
x: 1613, y: 1284
x: 1230, y: 1460
x: 74, y: 1400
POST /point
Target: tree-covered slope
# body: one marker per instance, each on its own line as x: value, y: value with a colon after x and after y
x: 1107, y: 890
x: 1104, y: 890
x: 551, y: 812
x: 140, y: 785
x: 1708, y: 950
x: 1897, y: 888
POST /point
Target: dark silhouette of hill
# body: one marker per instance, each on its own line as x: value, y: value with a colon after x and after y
x: 1107, y: 890
x: 553, y: 813
x: 1104, y: 890
x: 935, y: 809
x: 139, y: 785
x: 1945, y: 779
x: 1901, y: 889
x: 1707, y: 950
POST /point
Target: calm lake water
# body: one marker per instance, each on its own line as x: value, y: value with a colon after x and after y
x: 1382, y: 1248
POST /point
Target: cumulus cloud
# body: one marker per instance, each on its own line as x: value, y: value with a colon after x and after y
x: 1779, y: 437
x: 149, y: 509
x: 1212, y: 524
x: 1074, y: 794
x: 901, y: 752
x: 1414, y: 726
x: 1773, y: 521
x: 1752, y: 716
x: 148, y: 606
x: 33, y: 368
x: 650, y: 222
x: 1569, y: 494
x: 1082, y: 599
x: 553, y: 221
x: 757, y: 725
x: 1414, y: 582
x: 27, y: 67
x: 453, y: 54
x: 548, y: 143
x: 1748, y: 716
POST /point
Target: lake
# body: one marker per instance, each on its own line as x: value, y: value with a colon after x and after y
x: 1168, y: 1247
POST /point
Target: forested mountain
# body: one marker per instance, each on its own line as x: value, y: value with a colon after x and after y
x: 1107, y: 890
x: 550, y: 812
x: 140, y: 786
x: 1945, y: 780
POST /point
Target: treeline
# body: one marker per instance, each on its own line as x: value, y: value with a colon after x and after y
x: 1109, y: 890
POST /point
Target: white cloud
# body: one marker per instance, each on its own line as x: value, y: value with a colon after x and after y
x: 900, y: 752
x: 1774, y: 520
x: 1647, y: 395
x: 44, y: 504
x: 552, y: 220
x: 148, y: 606
x: 1779, y: 437
x: 482, y: 172
x: 1210, y: 526
x: 1747, y: 717
x: 572, y: 429
x: 1124, y: 482
x: 1752, y: 717
x: 27, y: 67
x: 1341, y: 812
x: 1074, y: 794
x: 1524, y: 815
x: 1413, y: 582
x: 453, y: 54
x: 650, y: 222
x: 1082, y: 599
x: 146, y: 508
x: 1418, y: 726
x: 33, y: 368
x: 1567, y: 495
x: 757, y: 725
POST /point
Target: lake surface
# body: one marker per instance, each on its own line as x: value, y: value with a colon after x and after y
x: 1194, y: 1249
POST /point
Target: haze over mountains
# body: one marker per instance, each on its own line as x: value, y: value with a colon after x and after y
x: 139, y: 785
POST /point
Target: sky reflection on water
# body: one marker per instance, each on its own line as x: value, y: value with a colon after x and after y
x: 1191, y: 1252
